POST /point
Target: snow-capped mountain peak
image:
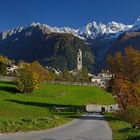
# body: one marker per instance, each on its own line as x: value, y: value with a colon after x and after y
x: 55, y: 29
x: 90, y: 31
x: 93, y: 30
x: 136, y: 25
x: 34, y: 24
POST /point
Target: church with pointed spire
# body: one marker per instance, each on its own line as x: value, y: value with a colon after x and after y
x: 79, y: 64
x: 79, y: 60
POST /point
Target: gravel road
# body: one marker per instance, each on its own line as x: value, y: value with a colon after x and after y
x: 87, y: 127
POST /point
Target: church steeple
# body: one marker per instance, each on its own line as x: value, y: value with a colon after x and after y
x: 79, y: 60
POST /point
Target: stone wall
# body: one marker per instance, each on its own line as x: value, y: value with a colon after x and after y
x: 7, y: 78
x: 74, y: 83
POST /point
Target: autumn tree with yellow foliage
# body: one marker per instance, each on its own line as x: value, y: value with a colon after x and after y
x: 3, y: 64
x: 27, y: 80
x: 30, y: 75
x: 4, y: 59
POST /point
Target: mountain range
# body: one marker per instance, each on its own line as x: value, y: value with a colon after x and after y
x: 57, y: 47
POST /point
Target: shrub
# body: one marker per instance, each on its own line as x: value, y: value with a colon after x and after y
x: 3, y: 68
x: 27, y: 80
x: 133, y: 116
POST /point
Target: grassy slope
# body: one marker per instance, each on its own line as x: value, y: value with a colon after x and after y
x: 122, y: 130
x: 36, y: 111
x: 74, y: 95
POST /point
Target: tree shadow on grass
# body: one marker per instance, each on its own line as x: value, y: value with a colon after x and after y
x: 8, y: 86
x: 8, y: 82
x: 9, y: 89
x: 125, y: 130
x: 69, y: 111
x: 111, y: 118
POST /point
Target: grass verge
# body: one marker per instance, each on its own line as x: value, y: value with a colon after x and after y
x: 122, y: 130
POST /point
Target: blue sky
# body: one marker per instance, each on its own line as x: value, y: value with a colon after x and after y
x: 71, y: 13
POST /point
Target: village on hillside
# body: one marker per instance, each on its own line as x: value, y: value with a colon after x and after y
x: 101, y: 79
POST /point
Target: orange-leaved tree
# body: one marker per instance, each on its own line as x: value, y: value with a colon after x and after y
x: 126, y: 69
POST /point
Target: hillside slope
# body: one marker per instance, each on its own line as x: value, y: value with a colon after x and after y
x: 53, y: 49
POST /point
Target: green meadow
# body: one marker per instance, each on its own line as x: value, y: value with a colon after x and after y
x: 49, y: 106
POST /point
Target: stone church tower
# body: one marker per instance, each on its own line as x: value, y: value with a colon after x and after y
x: 79, y: 60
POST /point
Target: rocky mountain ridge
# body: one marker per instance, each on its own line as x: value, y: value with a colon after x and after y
x: 57, y: 47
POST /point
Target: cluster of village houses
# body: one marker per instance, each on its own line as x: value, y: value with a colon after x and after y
x: 100, y: 80
x: 12, y: 67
